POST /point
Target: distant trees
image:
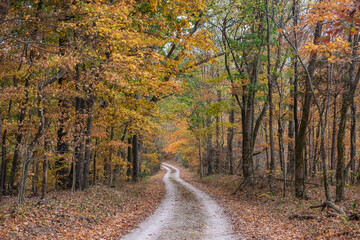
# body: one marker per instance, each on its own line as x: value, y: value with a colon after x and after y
x: 285, y: 67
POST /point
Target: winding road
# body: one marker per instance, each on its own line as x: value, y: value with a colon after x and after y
x: 185, y: 213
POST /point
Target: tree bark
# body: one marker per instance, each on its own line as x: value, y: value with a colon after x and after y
x: 201, y: 160
x: 271, y: 105
x: 3, y: 169
x: 94, y: 165
x: 347, y: 99
x: 4, y: 8
x: 29, y: 151
x: 136, y: 169
x: 352, y: 163
x: 110, y: 164
x: 217, y: 128
x: 19, y: 136
x: 62, y: 143
x: 230, y: 139
x: 129, y: 159
x: 301, y: 134
x: 87, y: 157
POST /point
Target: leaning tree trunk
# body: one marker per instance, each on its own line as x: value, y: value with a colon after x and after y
x: 347, y: 99
x: 29, y: 151
x: 301, y: 133
x: 25, y: 172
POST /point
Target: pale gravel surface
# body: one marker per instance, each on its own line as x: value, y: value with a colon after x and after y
x: 185, y: 213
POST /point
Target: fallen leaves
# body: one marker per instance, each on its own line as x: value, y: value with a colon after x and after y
x: 97, y: 213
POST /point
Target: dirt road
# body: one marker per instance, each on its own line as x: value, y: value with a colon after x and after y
x: 185, y: 213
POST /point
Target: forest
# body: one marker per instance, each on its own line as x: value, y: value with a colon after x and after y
x: 255, y: 101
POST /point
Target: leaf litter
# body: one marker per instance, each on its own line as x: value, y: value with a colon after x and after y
x: 99, y: 212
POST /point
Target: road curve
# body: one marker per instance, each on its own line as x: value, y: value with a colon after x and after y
x: 185, y: 213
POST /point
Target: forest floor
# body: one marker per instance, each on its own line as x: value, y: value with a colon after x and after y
x: 98, y: 213
x: 257, y: 214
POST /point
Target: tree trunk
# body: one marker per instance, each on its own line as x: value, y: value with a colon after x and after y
x: 28, y: 155
x: 301, y: 133
x: 292, y: 160
x: 4, y: 8
x: 129, y: 159
x: 247, y: 150
x: 136, y: 169
x: 35, y: 178
x: 3, y: 169
x: 94, y: 167
x: 87, y: 157
x: 230, y: 139
x: 291, y: 142
x: 217, y: 151
x: 4, y: 164
x: 27, y: 159
x: 353, y: 142
x: 347, y: 99
x: 110, y: 164
x: 333, y: 141
x: 201, y: 160
x: 19, y: 136
x: 62, y: 147
x: 315, y: 152
x: 45, y: 169
x: 271, y: 105
x: 323, y: 125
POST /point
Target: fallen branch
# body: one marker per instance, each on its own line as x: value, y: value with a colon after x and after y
x: 302, y: 217
x: 328, y: 204
x: 310, y: 216
x: 89, y: 219
x: 240, y: 186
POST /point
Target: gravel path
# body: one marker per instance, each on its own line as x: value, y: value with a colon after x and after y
x: 185, y: 213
